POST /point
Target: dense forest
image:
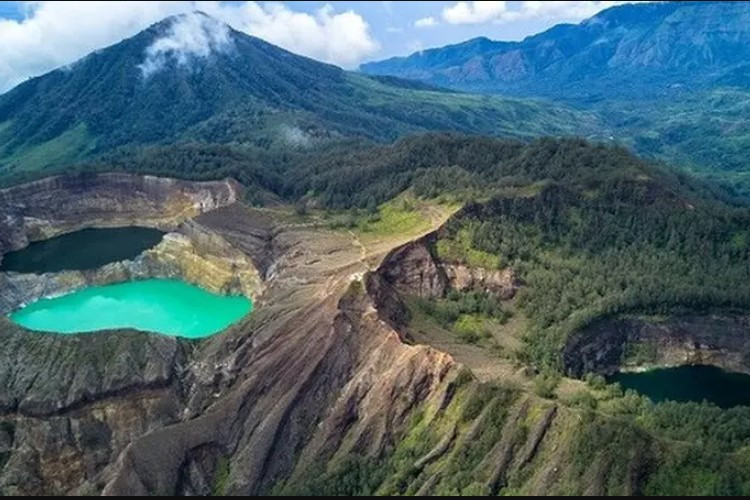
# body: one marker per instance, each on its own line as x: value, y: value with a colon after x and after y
x: 592, y: 229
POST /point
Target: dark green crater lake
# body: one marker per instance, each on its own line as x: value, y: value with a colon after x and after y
x: 81, y: 250
x: 689, y: 383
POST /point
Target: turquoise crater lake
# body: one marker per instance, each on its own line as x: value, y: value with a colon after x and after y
x: 168, y: 307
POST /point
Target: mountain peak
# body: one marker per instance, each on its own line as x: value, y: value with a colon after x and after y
x: 167, y: 23
x: 184, y: 38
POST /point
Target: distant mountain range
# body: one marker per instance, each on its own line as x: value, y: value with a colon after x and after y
x: 670, y: 80
x: 161, y: 86
x: 633, y: 50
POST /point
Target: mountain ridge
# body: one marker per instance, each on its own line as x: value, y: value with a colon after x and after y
x: 161, y: 87
x: 609, y: 48
x: 669, y: 80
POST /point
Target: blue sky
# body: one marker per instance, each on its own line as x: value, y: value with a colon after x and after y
x: 392, y: 24
x: 36, y: 37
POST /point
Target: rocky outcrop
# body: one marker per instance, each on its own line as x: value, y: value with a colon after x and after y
x: 502, y: 282
x: 414, y: 270
x: 721, y: 339
x: 51, y: 374
x: 56, y: 205
x: 70, y: 404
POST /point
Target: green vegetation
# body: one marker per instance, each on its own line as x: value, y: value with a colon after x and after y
x: 221, y: 475
x: 259, y: 101
x: 422, y: 110
x: 467, y: 314
x: 545, y: 385
x: 459, y: 249
x: 73, y: 144
x: 618, y: 443
x: 399, y: 216
x: 705, y: 132
x: 639, y: 353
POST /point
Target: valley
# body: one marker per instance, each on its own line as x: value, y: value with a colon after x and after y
x: 666, y: 79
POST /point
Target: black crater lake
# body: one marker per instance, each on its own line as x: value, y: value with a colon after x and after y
x: 81, y: 250
x: 689, y: 383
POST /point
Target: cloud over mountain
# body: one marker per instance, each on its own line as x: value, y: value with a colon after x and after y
x: 192, y: 35
x: 497, y: 12
x: 56, y: 34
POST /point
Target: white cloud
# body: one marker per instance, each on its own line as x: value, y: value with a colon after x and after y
x: 499, y: 12
x: 340, y: 38
x: 190, y: 36
x: 415, y: 46
x: 565, y: 10
x: 425, y: 22
x: 55, y: 34
x: 474, y: 12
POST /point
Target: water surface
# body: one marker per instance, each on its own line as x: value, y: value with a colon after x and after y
x: 169, y: 307
x: 81, y: 250
x: 689, y: 383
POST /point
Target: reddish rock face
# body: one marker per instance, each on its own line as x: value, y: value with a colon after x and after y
x: 413, y: 270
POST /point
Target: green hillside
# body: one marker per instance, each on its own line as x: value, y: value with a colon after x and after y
x: 246, y: 93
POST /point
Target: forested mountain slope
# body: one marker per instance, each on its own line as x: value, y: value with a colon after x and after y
x: 230, y: 88
x: 667, y: 79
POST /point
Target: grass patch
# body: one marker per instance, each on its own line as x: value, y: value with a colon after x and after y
x: 221, y: 477
x: 70, y: 146
x: 405, y: 215
x: 469, y: 315
x: 399, y: 216
x: 459, y: 249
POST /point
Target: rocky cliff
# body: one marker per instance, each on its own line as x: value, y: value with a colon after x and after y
x: 721, y: 339
x: 56, y: 205
x: 414, y: 269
